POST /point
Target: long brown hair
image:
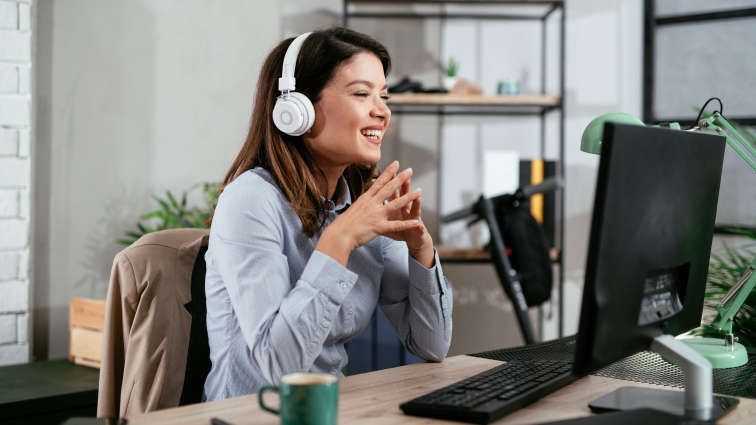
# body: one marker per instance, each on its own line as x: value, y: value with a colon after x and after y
x: 286, y: 157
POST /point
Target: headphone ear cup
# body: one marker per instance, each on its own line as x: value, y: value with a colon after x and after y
x: 293, y: 114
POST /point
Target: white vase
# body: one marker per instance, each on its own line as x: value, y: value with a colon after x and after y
x: 449, y: 82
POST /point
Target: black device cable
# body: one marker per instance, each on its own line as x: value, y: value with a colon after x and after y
x: 703, y: 108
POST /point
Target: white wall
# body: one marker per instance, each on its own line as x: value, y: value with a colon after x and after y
x: 135, y: 98
x: 15, y: 178
x: 139, y: 97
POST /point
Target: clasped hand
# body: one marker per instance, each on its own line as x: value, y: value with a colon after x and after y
x: 387, y: 208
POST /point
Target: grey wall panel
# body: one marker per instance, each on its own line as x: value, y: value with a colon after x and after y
x: 703, y: 59
x: 666, y: 7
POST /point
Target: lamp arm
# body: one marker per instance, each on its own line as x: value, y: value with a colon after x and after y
x: 715, y: 122
x: 734, y: 299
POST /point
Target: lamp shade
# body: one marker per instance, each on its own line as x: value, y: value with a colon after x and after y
x: 594, y: 131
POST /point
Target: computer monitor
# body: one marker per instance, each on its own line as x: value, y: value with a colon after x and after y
x: 651, y: 233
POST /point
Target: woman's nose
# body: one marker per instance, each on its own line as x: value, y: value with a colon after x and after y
x: 380, y: 109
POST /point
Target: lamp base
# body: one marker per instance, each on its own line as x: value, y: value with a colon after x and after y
x: 717, y: 353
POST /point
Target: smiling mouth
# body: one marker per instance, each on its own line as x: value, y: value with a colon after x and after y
x: 373, y: 136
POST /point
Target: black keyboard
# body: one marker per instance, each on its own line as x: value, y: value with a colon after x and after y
x: 491, y: 394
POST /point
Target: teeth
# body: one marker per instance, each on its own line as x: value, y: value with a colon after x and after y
x: 376, y: 133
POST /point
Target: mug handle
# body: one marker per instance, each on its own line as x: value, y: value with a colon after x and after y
x: 260, y: 393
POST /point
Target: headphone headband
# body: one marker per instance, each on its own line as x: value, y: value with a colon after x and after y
x: 287, y: 81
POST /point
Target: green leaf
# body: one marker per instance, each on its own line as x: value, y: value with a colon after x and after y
x: 154, y: 214
x: 173, y: 200
x: 173, y: 214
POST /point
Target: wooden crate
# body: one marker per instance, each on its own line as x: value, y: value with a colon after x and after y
x: 86, y: 322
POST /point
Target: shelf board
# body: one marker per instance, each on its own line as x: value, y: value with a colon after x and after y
x: 477, y: 100
x: 493, y: 2
x: 476, y: 255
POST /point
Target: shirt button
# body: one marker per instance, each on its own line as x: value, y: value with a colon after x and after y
x: 325, y: 324
x: 343, y: 284
x: 350, y: 311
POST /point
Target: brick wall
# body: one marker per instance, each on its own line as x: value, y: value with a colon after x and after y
x: 15, y: 177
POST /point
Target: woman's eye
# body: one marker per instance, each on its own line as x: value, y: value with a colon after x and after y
x: 361, y: 94
x: 385, y: 97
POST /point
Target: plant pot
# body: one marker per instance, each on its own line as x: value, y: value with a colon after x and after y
x: 449, y: 82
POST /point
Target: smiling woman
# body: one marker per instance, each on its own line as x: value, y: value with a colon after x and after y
x: 307, y: 237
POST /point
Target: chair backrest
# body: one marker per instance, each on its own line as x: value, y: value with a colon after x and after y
x: 155, y: 351
x: 198, y: 355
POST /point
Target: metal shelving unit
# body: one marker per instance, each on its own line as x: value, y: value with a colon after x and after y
x: 539, y: 105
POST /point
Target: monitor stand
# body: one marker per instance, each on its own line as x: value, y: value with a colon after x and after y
x: 695, y: 402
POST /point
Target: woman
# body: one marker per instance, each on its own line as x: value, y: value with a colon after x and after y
x: 307, y: 238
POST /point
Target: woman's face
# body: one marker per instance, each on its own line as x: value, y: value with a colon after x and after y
x: 351, y: 116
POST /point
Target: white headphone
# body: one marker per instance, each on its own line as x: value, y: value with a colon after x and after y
x: 293, y: 113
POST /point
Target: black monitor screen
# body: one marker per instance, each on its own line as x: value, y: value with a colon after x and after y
x: 653, y: 222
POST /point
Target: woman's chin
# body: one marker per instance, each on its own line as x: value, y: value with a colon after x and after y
x: 371, y: 157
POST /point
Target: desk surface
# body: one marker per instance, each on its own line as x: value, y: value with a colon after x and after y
x: 374, y: 398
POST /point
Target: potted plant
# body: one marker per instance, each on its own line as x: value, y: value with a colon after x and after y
x: 173, y: 214
x: 450, y: 73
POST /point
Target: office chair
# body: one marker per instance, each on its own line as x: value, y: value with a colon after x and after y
x: 155, y: 350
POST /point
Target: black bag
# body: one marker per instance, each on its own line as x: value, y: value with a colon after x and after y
x: 528, y: 251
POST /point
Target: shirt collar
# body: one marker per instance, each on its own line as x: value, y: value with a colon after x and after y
x: 342, y: 196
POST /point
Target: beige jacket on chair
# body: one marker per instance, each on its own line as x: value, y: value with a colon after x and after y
x: 146, y: 325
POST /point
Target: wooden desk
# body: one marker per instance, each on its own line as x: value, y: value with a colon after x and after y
x: 374, y: 398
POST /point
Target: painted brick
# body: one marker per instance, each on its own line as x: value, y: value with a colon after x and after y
x: 22, y: 324
x: 23, y: 143
x: 14, y: 172
x: 23, y: 265
x: 14, y: 297
x: 9, y: 203
x: 24, y: 17
x: 23, y: 203
x: 8, y: 328
x: 14, y: 354
x: 9, y: 265
x: 8, y: 15
x: 15, y: 46
x: 14, y: 111
x: 15, y: 233
x: 24, y: 79
x: 8, y: 141
x: 8, y: 78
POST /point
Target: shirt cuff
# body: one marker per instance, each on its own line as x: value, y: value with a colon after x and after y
x: 430, y: 280
x: 328, y: 276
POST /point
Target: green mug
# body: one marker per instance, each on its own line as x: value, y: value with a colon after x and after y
x: 306, y: 399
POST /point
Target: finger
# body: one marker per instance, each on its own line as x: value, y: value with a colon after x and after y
x: 405, y: 187
x: 394, y: 226
x: 404, y: 200
x: 415, y: 210
x: 392, y: 186
x: 403, y: 191
x: 386, y: 176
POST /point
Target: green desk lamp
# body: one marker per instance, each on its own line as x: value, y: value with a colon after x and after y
x: 721, y: 353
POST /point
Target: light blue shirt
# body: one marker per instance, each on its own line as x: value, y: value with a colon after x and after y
x: 275, y: 305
